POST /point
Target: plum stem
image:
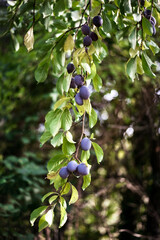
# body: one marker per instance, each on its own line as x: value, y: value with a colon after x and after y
x: 78, y: 146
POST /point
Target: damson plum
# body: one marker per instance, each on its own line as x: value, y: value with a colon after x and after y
x: 82, y: 169
x: 73, y: 84
x: 97, y: 21
x: 86, y: 144
x: 87, y: 41
x: 79, y: 80
x: 64, y: 173
x: 70, y: 67
x: 72, y: 166
x: 94, y: 36
x: 78, y: 99
x: 147, y: 13
x: 84, y: 92
x: 85, y: 29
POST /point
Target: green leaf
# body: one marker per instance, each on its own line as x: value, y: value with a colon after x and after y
x: 66, y: 82
x: 107, y: 26
x: 55, y: 161
x: 63, y: 202
x: 85, y: 155
x: 86, y: 181
x: 52, y: 199
x: 147, y: 26
x: 57, y: 140
x: 63, y: 218
x: 139, y: 66
x: 47, y: 195
x: 61, y: 102
x: 153, y: 46
x: 97, y: 82
x: 132, y: 38
x: 56, y: 122
x: 59, y: 84
x: 74, y: 196
x: 87, y: 106
x: 93, y: 71
x: 59, y: 182
x: 45, y: 137
x: 146, y: 63
x: 157, y: 6
x: 65, y: 188
x: 92, y: 118
x: 67, y: 147
x: 42, y: 70
x: 86, y: 67
x: 66, y: 120
x: 131, y: 68
x: 98, y: 151
x: 42, y: 223
x: 36, y: 213
x: 69, y: 44
x: 49, y: 217
x: 69, y: 137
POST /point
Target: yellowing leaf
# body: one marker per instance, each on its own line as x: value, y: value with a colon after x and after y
x: 69, y: 44
x: 29, y: 39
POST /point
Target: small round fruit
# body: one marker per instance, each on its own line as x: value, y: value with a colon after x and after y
x: 85, y: 144
x: 94, y: 36
x: 72, y: 166
x: 85, y: 29
x: 97, y: 21
x: 147, y: 13
x: 82, y: 169
x: 64, y: 172
x: 79, y: 80
x: 78, y: 99
x: 73, y: 84
x: 70, y: 67
x: 84, y: 92
x: 87, y: 41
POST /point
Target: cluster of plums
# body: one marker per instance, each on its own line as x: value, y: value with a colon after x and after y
x: 91, y: 36
x: 77, y: 82
x: 147, y: 14
x: 73, y: 167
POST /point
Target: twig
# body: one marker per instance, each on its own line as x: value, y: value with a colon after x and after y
x: 63, y: 36
x: 34, y: 6
x: 77, y: 150
x: 139, y: 235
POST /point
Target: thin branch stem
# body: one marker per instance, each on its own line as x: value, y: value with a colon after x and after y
x: 77, y: 150
x: 34, y: 6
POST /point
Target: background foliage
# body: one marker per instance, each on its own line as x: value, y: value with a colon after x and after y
x: 124, y: 192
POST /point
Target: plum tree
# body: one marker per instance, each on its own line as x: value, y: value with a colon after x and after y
x: 87, y: 41
x: 78, y: 99
x: 94, y: 36
x: 85, y: 29
x: 97, y: 21
x: 72, y: 166
x: 84, y: 92
x: 82, y: 169
x: 64, y: 173
x: 70, y: 67
x: 85, y: 144
x: 79, y: 80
